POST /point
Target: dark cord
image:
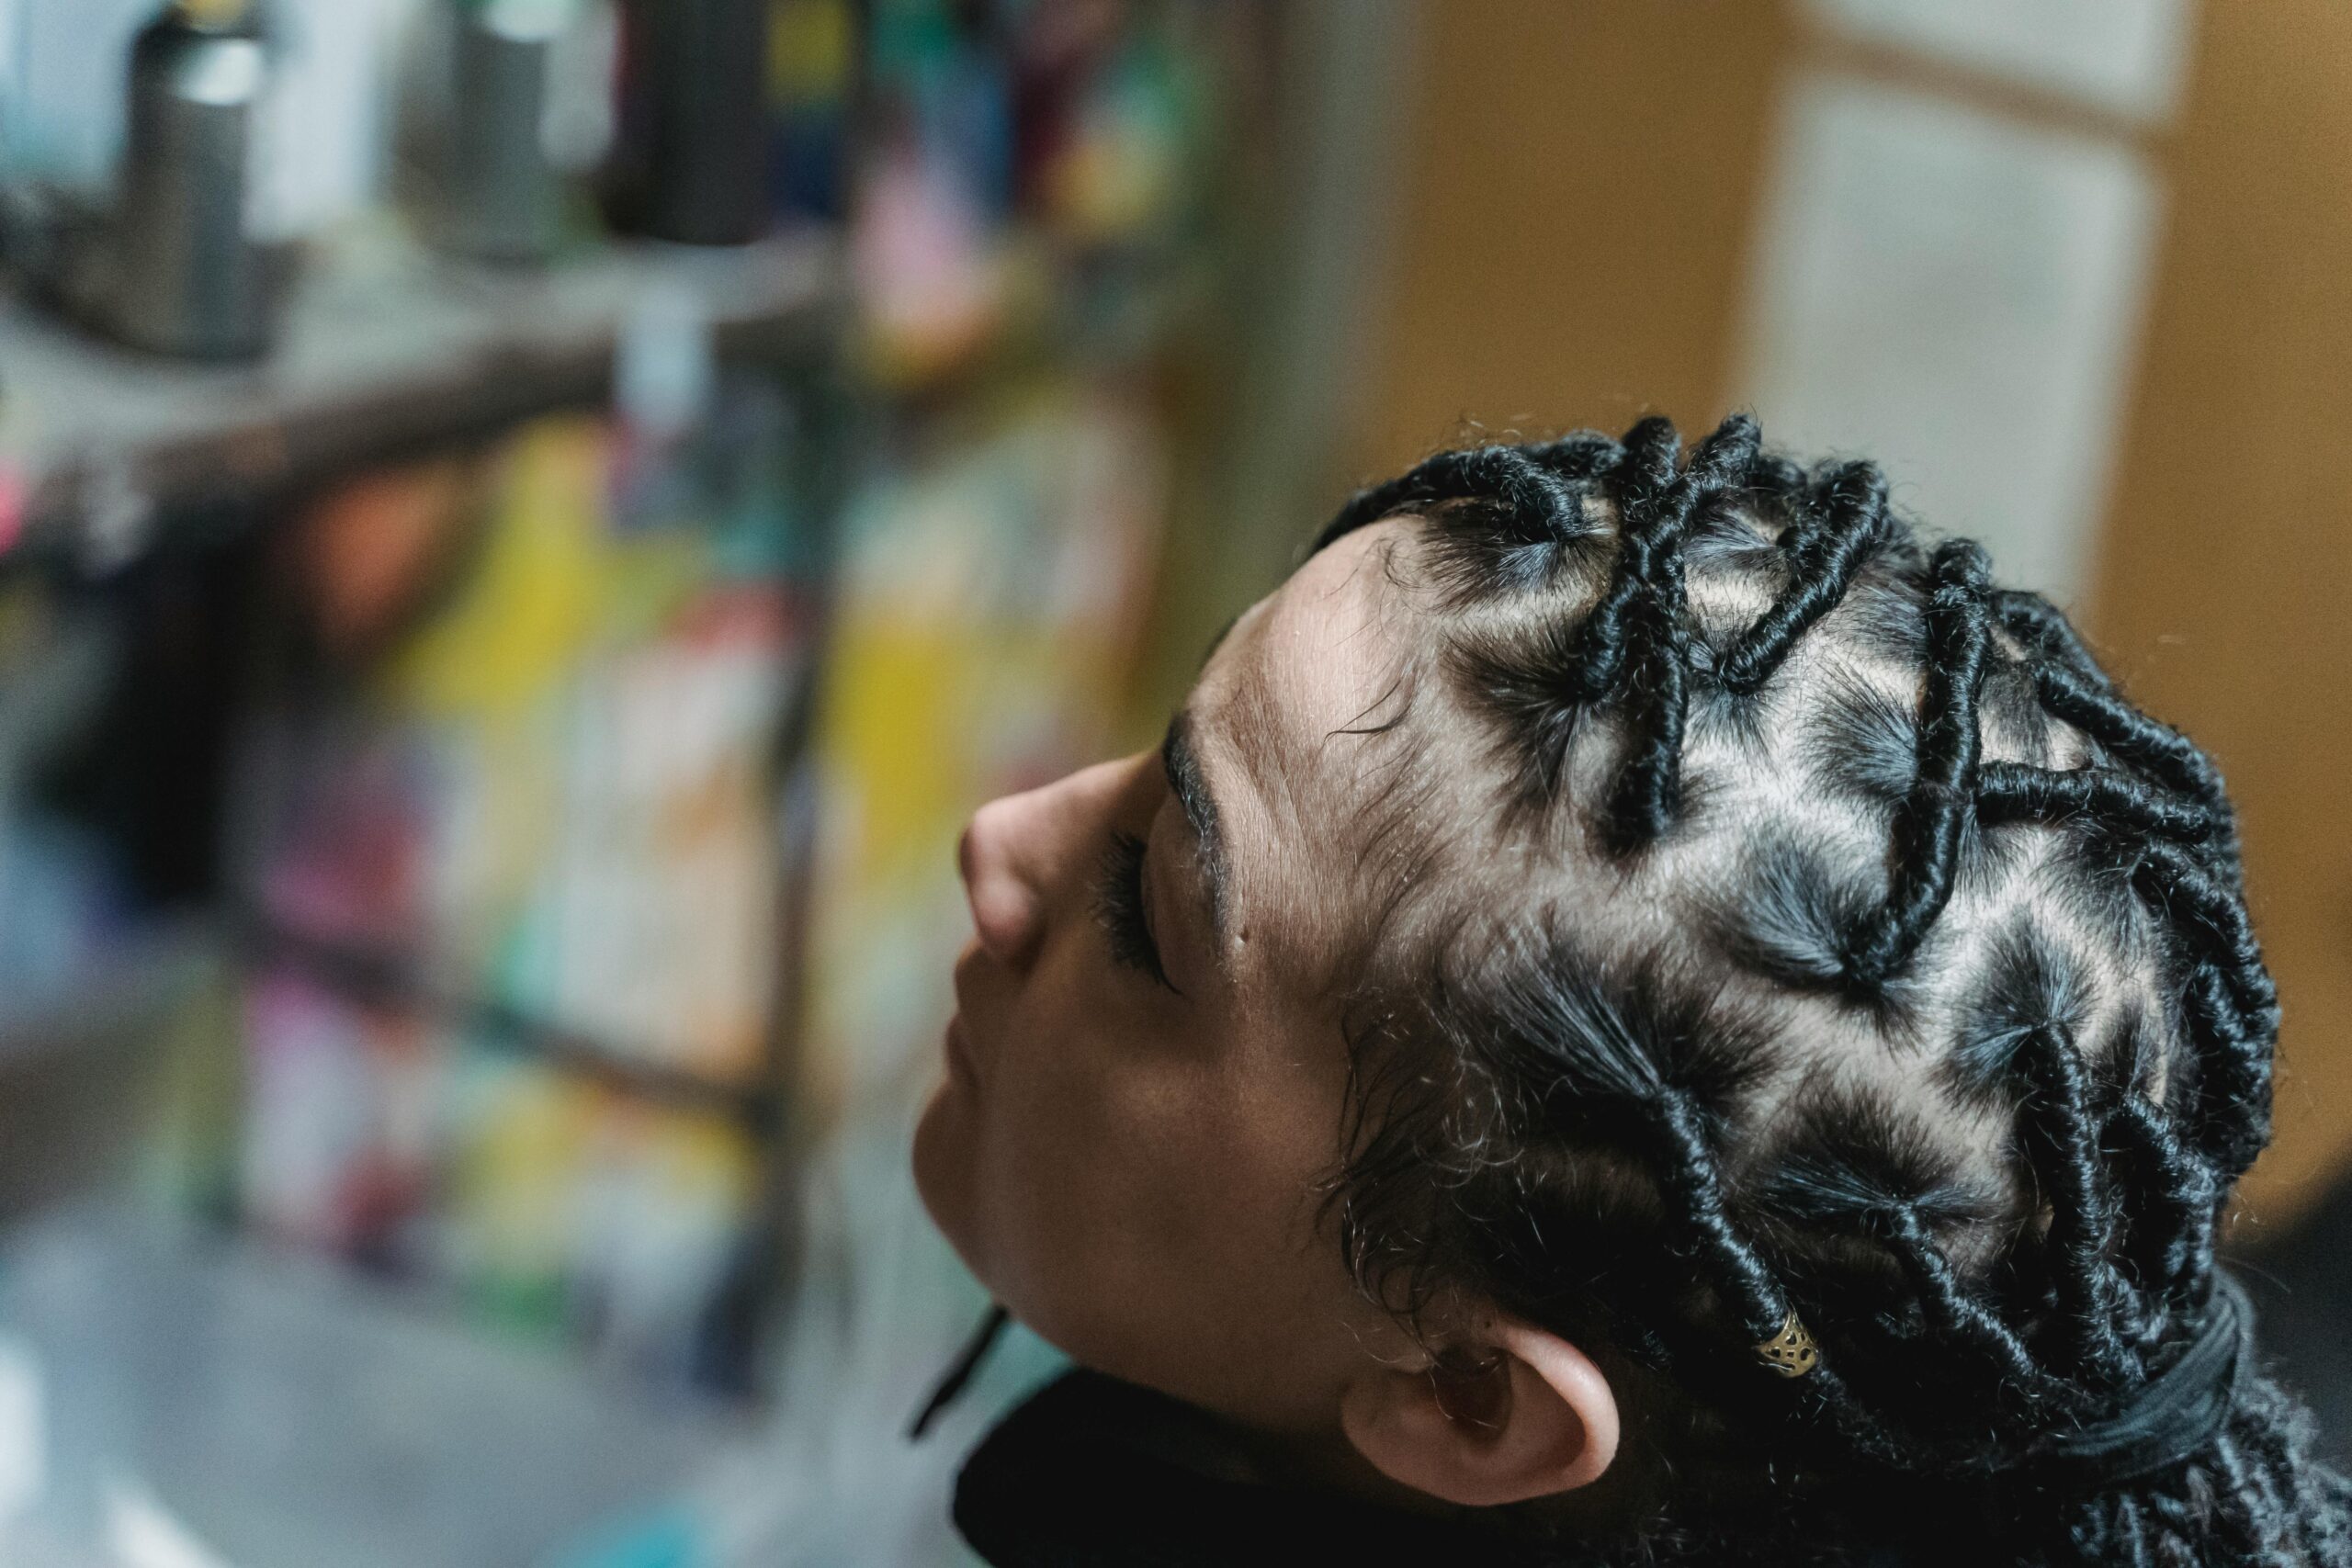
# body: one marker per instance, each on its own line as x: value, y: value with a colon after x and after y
x: 959, y: 1375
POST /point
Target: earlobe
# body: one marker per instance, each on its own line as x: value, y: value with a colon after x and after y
x: 1539, y: 1421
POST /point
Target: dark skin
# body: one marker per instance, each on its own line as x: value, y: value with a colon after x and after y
x: 1146, y: 1088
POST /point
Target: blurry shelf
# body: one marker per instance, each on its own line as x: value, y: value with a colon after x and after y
x: 393, y: 981
x: 387, y: 348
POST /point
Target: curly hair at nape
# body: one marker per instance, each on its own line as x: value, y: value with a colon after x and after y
x: 1779, y: 935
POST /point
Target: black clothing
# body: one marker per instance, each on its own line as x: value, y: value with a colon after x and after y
x: 1097, y: 1473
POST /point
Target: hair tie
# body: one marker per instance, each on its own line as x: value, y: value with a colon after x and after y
x: 2168, y: 1420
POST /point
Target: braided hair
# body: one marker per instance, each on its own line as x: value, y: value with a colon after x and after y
x: 1840, y: 950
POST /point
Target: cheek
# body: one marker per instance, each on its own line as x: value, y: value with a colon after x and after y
x: 1145, y: 1206
x: 1085, y: 1132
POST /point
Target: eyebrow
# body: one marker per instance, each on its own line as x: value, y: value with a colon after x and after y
x: 1190, y: 788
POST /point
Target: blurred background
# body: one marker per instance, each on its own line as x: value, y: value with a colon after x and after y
x: 525, y: 525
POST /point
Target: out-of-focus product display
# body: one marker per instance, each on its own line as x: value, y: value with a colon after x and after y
x: 692, y: 161
x: 1037, y: 173
x: 86, y: 982
x: 989, y: 621
x: 517, y: 891
x: 192, y: 279
x: 59, y: 894
x: 571, y: 761
x: 813, y: 53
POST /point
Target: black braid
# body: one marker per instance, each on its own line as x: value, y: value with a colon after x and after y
x: 2079, y: 692
x: 1642, y: 479
x: 2043, y: 630
x: 1928, y: 825
x: 1691, y: 1174
x: 2174, y: 880
x: 1586, y: 455
x: 1519, y: 499
x: 2168, y: 1213
x: 1648, y: 792
x: 1952, y: 1306
x: 1822, y: 560
x: 2063, y: 1143
x: 2231, y: 1003
x: 2093, y: 710
x: 1745, y: 1280
x: 2014, y: 792
x: 2232, y: 1103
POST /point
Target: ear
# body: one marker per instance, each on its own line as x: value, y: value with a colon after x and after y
x: 1537, y: 1420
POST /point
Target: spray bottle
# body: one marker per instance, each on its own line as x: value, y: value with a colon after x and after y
x: 504, y: 196
x: 691, y: 165
x: 191, y: 279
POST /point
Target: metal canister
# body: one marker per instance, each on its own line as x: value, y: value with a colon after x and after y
x: 502, y: 196
x: 190, y: 277
x: 692, y: 163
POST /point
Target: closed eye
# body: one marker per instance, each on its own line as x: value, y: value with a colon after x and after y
x: 1124, y: 913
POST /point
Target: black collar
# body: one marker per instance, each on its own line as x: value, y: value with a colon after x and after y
x: 1097, y: 1473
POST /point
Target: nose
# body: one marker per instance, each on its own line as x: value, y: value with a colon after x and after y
x: 1008, y: 915
x: 1026, y: 856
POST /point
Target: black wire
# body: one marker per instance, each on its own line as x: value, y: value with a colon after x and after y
x: 960, y: 1373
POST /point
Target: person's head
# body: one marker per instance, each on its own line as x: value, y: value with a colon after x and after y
x: 1633, y: 944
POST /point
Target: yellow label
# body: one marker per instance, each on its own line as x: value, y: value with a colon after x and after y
x: 214, y: 13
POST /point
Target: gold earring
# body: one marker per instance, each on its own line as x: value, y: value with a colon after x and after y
x: 1791, y: 1352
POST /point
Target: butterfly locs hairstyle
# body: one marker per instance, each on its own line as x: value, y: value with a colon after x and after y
x: 1838, y: 1004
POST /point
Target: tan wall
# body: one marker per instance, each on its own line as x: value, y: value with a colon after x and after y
x: 2226, y: 597
x: 1572, y: 245
x: 1573, y: 235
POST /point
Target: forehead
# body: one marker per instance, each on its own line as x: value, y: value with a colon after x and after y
x: 1273, y: 715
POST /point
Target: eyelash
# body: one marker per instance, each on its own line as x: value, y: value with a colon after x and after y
x: 1119, y: 908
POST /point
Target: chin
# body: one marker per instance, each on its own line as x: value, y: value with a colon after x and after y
x: 943, y: 1168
